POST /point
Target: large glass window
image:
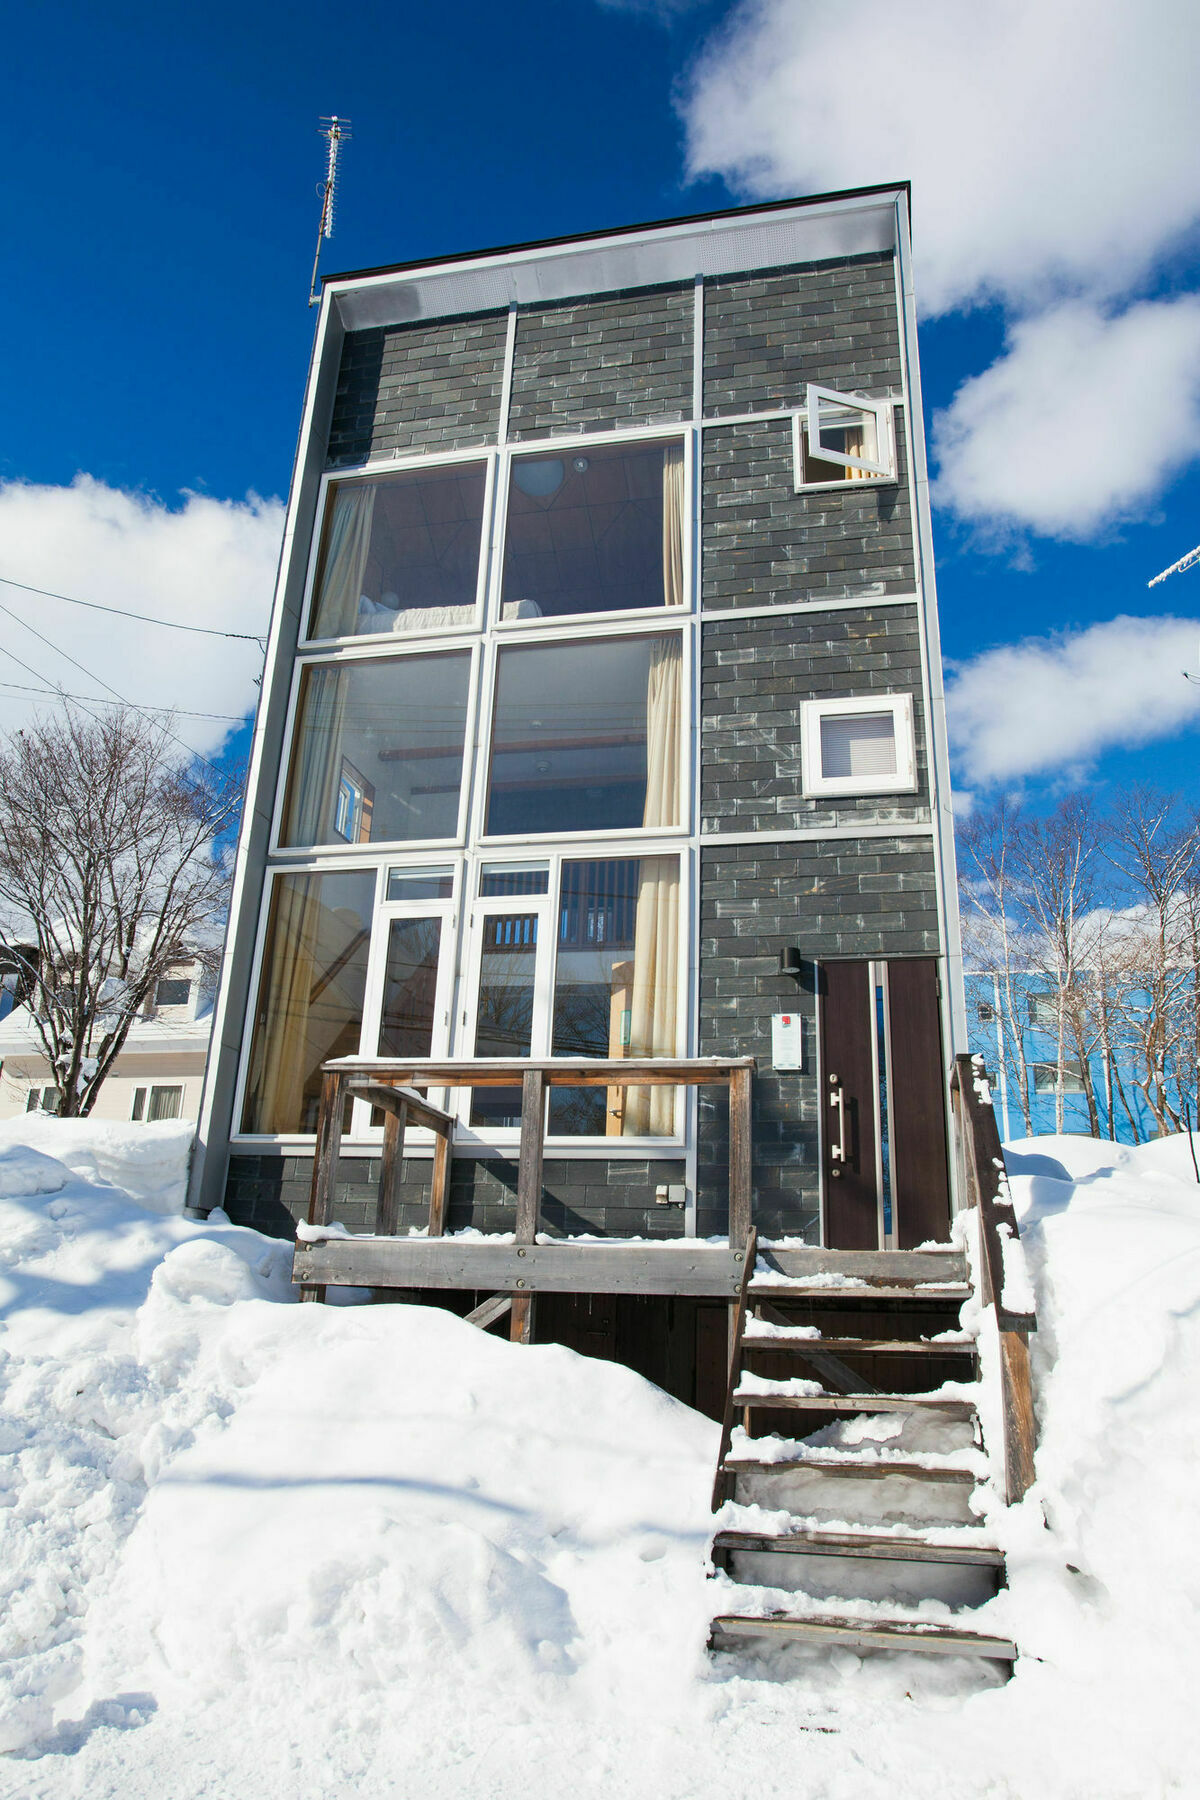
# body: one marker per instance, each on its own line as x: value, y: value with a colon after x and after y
x: 504, y: 1008
x: 400, y: 552
x: 586, y: 737
x: 616, y: 989
x: 310, y: 997
x: 594, y: 531
x: 378, y: 751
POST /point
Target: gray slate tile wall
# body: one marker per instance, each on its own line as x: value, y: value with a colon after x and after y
x: 767, y: 335
x: 596, y: 365
x: 841, y: 897
x: 418, y: 387
x: 755, y: 675
x: 613, y: 1199
x: 765, y: 544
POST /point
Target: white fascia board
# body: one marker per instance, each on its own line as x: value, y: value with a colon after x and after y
x: 599, y: 265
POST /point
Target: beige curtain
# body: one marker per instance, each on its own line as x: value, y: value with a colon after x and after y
x: 345, y: 564
x: 674, y: 519
x: 281, y: 1059
x: 650, y: 1111
x: 317, y: 756
x: 854, y: 447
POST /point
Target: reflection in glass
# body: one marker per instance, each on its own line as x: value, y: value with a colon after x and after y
x: 410, y: 987
x: 504, y: 1008
x: 378, y: 750
x: 400, y: 552
x: 616, y: 989
x: 595, y: 531
x: 310, y: 996
x: 420, y: 884
x: 504, y: 878
x: 586, y: 737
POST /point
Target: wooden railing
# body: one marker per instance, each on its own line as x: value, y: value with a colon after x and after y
x: 982, y: 1184
x: 392, y: 1085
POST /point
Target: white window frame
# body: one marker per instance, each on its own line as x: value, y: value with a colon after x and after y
x: 385, y: 911
x: 626, y: 626
x: 818, y: 785
x: 1072, y: 1069
x: 806, y: 434
x: 591, y: 623
x: 352, y: 651
x: 401, y: 465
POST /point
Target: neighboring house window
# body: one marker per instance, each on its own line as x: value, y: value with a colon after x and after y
x: 400, y: 552
x: 43, y: 1099
x: 1045, y: 1077
x: 1043, y: 1012
x: 842, y: 437
x: 172, y: 992
x: 152, y: 1104
x: 986, y: 1012
x: 858, y: 746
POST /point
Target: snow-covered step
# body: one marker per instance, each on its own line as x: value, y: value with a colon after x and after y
x: 728, y: 1629
x: 891, y: 1546
x: 780, y: 1292
x: 844, y: 1464
x: 759, y: 1392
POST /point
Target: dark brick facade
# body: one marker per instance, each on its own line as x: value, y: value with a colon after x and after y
x: 755, y: 676
x: 419, y: 387
x: 597, y: 365
x: 847, y: 897
x: 765, y: 544
x: 767, y: 335
x: 578, y: 1195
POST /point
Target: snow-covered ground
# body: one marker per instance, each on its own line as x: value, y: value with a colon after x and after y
x: 249, y: 1548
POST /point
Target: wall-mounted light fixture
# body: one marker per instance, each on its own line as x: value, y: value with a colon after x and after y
x: 790, y: 962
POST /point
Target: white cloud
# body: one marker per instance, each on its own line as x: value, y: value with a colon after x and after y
x: 1053, y: 704
x: 207, y: 562
x: 1052, y: 147
x: 1079, y: 424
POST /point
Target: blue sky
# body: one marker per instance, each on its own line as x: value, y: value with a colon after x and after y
x: 160, y: 234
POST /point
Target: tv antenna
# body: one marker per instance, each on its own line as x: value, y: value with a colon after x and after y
x: 1177, y: 568
x: 336, y: 131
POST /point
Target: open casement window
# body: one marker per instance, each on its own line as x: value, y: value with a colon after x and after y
x: 579, y: 958
x: 400, y: 553
x: 859, y: 746
x: 843, y: 437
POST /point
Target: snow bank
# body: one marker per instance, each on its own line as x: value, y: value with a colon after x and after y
x: 149, y: 1161
x: 248, y: 1547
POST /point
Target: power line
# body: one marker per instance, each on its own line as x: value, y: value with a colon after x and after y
x: 179, y: 712
x: 245, y: 637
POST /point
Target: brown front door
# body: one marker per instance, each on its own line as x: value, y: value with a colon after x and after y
x: 884, y: 1157
x: 850, y: 1103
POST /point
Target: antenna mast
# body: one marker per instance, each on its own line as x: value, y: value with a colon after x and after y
x: 336, y: 131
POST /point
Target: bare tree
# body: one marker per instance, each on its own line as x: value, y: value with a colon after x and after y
x: 109, y: 873
x: 995, y: 930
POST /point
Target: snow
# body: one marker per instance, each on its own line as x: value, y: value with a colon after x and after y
x: 251, y: 1547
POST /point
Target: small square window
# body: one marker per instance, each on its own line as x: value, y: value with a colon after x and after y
x: 859, y: 746
x: 842, y: 438
x: 172, y: 993
x: 164, y: 1103
x: 1043, y: 1012
x: 1045, y: 1077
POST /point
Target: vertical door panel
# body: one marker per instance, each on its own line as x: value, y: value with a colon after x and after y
x: 920, y: 1180
x: 849, y: 1100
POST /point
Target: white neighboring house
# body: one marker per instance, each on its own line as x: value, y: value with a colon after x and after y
x: 158, y: 1075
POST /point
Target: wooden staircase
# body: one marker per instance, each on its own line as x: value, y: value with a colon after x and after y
x: 851, y: 1448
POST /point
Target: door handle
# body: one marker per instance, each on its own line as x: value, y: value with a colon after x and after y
x: 837, y: 1099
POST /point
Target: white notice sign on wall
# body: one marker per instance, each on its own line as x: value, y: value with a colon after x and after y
x: 786, y: 1041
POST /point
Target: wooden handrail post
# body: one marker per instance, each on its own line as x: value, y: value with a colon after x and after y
x: 741, y: 1159
x: 387, y: 1204
x: 529, y: 1187
x: 439, y: 1188
x: 325, y: 1161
